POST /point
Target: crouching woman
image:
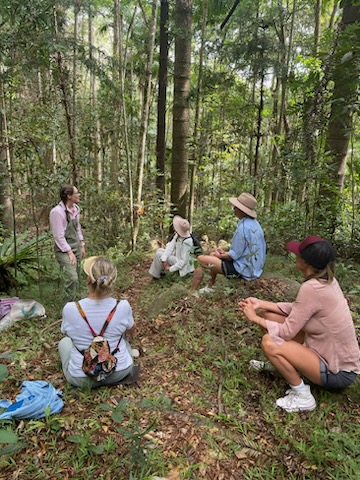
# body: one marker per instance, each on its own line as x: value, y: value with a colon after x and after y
x: 314, y: 336
x: 82, y: 321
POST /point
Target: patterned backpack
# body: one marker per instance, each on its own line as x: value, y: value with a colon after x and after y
x: 99, y: 362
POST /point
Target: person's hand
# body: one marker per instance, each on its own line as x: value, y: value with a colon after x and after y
x: 166, y: 266
x: 72, y: 257
x: 255, y: 302
x: 219, y: 253
x: 82, y: 250
x: 248, y: 309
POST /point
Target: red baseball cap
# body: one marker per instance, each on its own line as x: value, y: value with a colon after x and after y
x: 297, y: 247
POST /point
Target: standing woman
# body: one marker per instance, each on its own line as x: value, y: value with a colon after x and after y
x: 96, y: 307
x: 314, y: 336
x: 69, y: 241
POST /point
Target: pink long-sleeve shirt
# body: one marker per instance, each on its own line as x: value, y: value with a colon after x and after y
x: 58, y: 224
x: 322, y: 312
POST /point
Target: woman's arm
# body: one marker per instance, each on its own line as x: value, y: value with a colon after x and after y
x: 263, y: 305
x: 169, y: 249
x: 248, y: 309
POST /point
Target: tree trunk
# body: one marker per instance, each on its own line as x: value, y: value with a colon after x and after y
x: 161, y: 107
x: 6, y: 216
x: 346, y: 81
x: 74, y: 92
x: 66, y: 100
x: 182, y: 70
x: 196, y: 150
x: 144, y: 120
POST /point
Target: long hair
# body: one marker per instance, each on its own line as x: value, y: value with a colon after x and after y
x: 65, y: 190
x: 326, y: 275
x: 102, y: 276
x: 321, y: 256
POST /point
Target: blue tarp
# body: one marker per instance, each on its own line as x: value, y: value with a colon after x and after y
x: 36, y: 396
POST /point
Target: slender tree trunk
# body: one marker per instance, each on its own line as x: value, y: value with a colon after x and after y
x: 74, y: 90
x: 181, y: 110
x: 66, y: 100
x: 6, y: 216
x: 196, y: 150
x: 144, y: 120
x: 96, y: 158
x: 161, y: 107
x: 317, y: 26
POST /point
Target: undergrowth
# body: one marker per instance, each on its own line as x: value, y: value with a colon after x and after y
x: 198, y: 412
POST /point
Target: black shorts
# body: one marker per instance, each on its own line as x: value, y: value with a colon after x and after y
x: 228, y: 269
x: 335, y: 381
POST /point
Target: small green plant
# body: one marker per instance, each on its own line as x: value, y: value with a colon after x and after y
x: 12, y: 442
x: 3, y: 372
x: 20, y: 258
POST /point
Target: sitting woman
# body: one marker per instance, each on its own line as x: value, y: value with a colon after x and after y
x: 177, y: 255
x: 96, y: 307
x: 314, y: 336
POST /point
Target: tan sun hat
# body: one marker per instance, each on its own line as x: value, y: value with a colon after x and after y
x: 246, y: 203
x: 181, y: 226
x: 87, y: 265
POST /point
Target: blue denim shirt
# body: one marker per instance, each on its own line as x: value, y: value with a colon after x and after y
x: 248, y: 248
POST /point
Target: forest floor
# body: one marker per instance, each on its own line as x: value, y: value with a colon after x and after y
x: 198, y: 410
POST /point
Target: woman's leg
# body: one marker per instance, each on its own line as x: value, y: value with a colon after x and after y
x: 209, y: 262
x: 291, y: 357
x: 157, y: 268
x: 65, y: 346
x: 277, y: 317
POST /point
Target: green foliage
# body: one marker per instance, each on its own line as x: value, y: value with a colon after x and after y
x: 20, y: 258
x: 8, y: 436
x: 3, y: 372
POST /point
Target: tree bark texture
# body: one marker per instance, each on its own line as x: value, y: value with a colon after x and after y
x: 181, y: 111
x: 161, y: 106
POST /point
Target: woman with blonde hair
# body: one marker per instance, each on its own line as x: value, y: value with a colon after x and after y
x: 314, y: 336
x: 83, y: 320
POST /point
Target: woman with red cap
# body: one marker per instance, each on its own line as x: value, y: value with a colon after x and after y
x: 314, y: 336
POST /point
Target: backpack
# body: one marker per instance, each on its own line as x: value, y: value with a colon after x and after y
x: 99, y: 362
x: 197, y: 248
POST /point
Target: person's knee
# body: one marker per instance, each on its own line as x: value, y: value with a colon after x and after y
x: 159, y: 253
x: 268, y: 346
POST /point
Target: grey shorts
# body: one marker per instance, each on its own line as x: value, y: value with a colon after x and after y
x: 335, y: 381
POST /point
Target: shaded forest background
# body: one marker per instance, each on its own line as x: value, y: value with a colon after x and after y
x: 157, y: 107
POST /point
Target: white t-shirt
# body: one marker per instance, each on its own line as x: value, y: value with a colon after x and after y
x: 96, y: 311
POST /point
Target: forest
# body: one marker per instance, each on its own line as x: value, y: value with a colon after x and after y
x: 173, y: 107
x: 159, y: 108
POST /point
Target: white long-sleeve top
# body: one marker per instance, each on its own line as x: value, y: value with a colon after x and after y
x: 182, y: 249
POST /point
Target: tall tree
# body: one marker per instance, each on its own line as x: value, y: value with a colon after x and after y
x: 181, y: 108
x: 345, y: 76
x: 161, y: 106
x: 144, y: 117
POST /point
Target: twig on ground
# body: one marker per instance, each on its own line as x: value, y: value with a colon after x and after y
x: 221, y: 379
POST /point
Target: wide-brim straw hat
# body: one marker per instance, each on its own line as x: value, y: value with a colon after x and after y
x: 87, y: 265
x: 246, y: 203
x: 181, y: 226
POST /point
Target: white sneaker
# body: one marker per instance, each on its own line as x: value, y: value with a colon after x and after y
x: 207, y: 290
x: 135, y: 353
x: 260, y: 366
x: 297, y: 400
